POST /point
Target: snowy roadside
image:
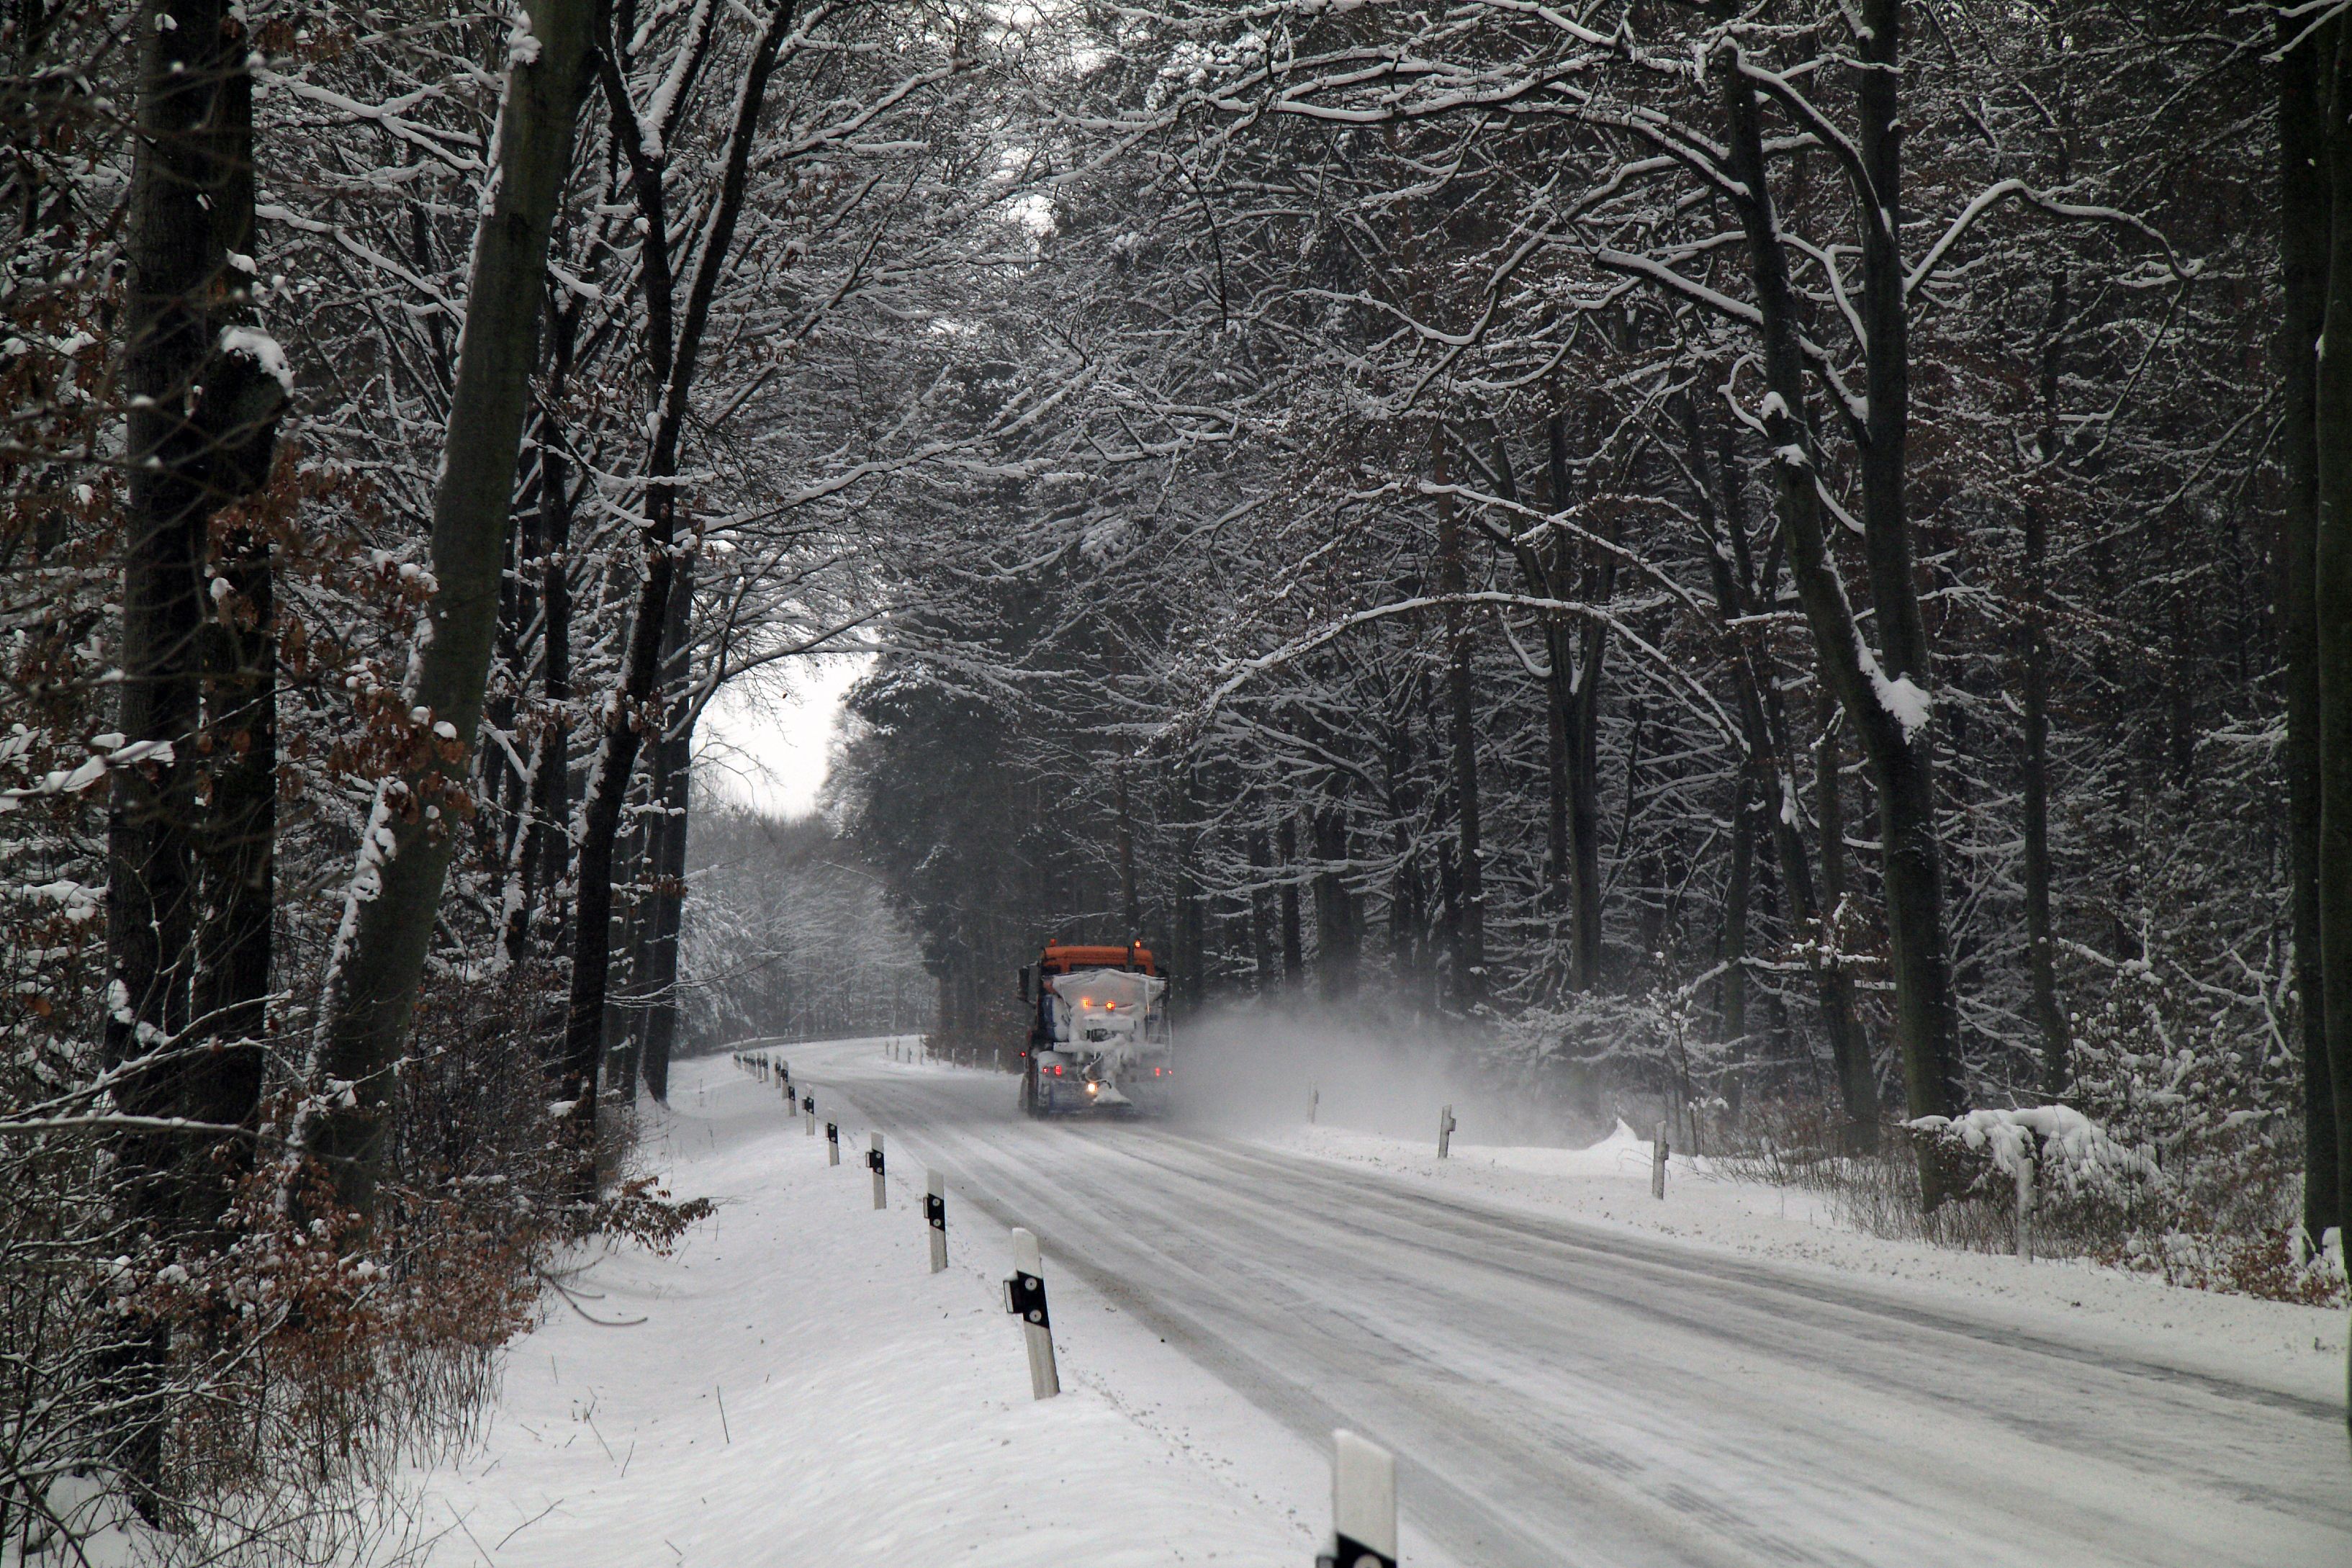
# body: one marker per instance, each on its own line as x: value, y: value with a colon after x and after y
x: 2294, y: 1350
x: 795, y: 1387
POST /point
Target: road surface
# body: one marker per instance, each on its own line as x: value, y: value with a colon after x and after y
x: 1560, y: 1392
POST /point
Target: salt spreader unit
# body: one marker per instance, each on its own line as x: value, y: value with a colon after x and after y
x: 1098, y: 1037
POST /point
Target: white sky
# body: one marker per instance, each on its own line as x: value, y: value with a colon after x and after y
x: 770, y: 742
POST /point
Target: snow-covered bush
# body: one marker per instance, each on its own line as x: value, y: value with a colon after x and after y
x: 2184, y: 1053
x: 2052, y: 1148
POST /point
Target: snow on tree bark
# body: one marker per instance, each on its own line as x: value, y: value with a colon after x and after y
x: 397, y: 893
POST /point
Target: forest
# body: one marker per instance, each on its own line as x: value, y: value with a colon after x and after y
x: 1788, y: 561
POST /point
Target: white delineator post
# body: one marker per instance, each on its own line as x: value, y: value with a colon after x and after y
x: 1363, y: 1505
x: 1025, y: 1298
x: 1658, y: 1161
x: 833, y: 1143
x: 1445, y: 1132
x: 808, y: 1110
x: 935, y: 1216
x: 874, y: 1163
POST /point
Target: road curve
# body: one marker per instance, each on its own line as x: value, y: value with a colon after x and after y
x: 1560, y: 1393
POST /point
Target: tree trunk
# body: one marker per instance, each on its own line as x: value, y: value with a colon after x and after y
x: 667, y: 869
x: 2303, y: 241
x: 1556, y: 876
x: 1189, y: 935
x: 1849, y: 1048
x: 1731, y: 994
x: 1261, y: 958
x: 549, y: 855
x: 1337, y: 944
x: 630, y: 925
x: 1574, y: 658
x: 1562, y: 765
x: 1408, y: 899
x: 2332, y: 615
x: 185, y: 157
x: 519, y: 606
x: 1294, y: 957
x: 1582, y: 722
x: 673, y: 774
x: 1765, y: 726
x: 1131, y: 904
x: 616, y: 756
x: 1579, y: 691
x: 2040, y: 957
x: 1449, y: 899
x: 201, y: 432
x: 236, y: 847
x: 1885, y: 695
x: 238, y: 865
x: 371, y: 983
x: 1453, y: 580
x: 1913, y: 874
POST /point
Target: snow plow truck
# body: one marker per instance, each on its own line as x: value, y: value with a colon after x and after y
x: 1098, y: 1040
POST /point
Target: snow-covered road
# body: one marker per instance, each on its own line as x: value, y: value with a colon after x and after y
x: 1567, y: 1393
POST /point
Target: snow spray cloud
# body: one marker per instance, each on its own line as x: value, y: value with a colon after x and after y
x: 1251, y: 1068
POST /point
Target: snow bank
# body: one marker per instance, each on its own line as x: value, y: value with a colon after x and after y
x: 2294, y: 1350
x: 794, y: 1387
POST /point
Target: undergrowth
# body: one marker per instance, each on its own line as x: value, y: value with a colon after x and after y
x: 2225, y: 1221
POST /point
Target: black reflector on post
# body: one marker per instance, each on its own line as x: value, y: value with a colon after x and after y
x: 935, y: 1216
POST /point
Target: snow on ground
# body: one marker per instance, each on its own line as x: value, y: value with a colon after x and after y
x: 2296, y: 1350
x: 794, y: 1386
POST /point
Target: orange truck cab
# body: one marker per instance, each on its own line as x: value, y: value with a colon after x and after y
x: 1098, y: 1038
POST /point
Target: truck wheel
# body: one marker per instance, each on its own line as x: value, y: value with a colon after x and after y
x: 1029, y: 1091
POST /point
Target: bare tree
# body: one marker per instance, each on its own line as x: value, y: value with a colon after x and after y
x: 411, y: 833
